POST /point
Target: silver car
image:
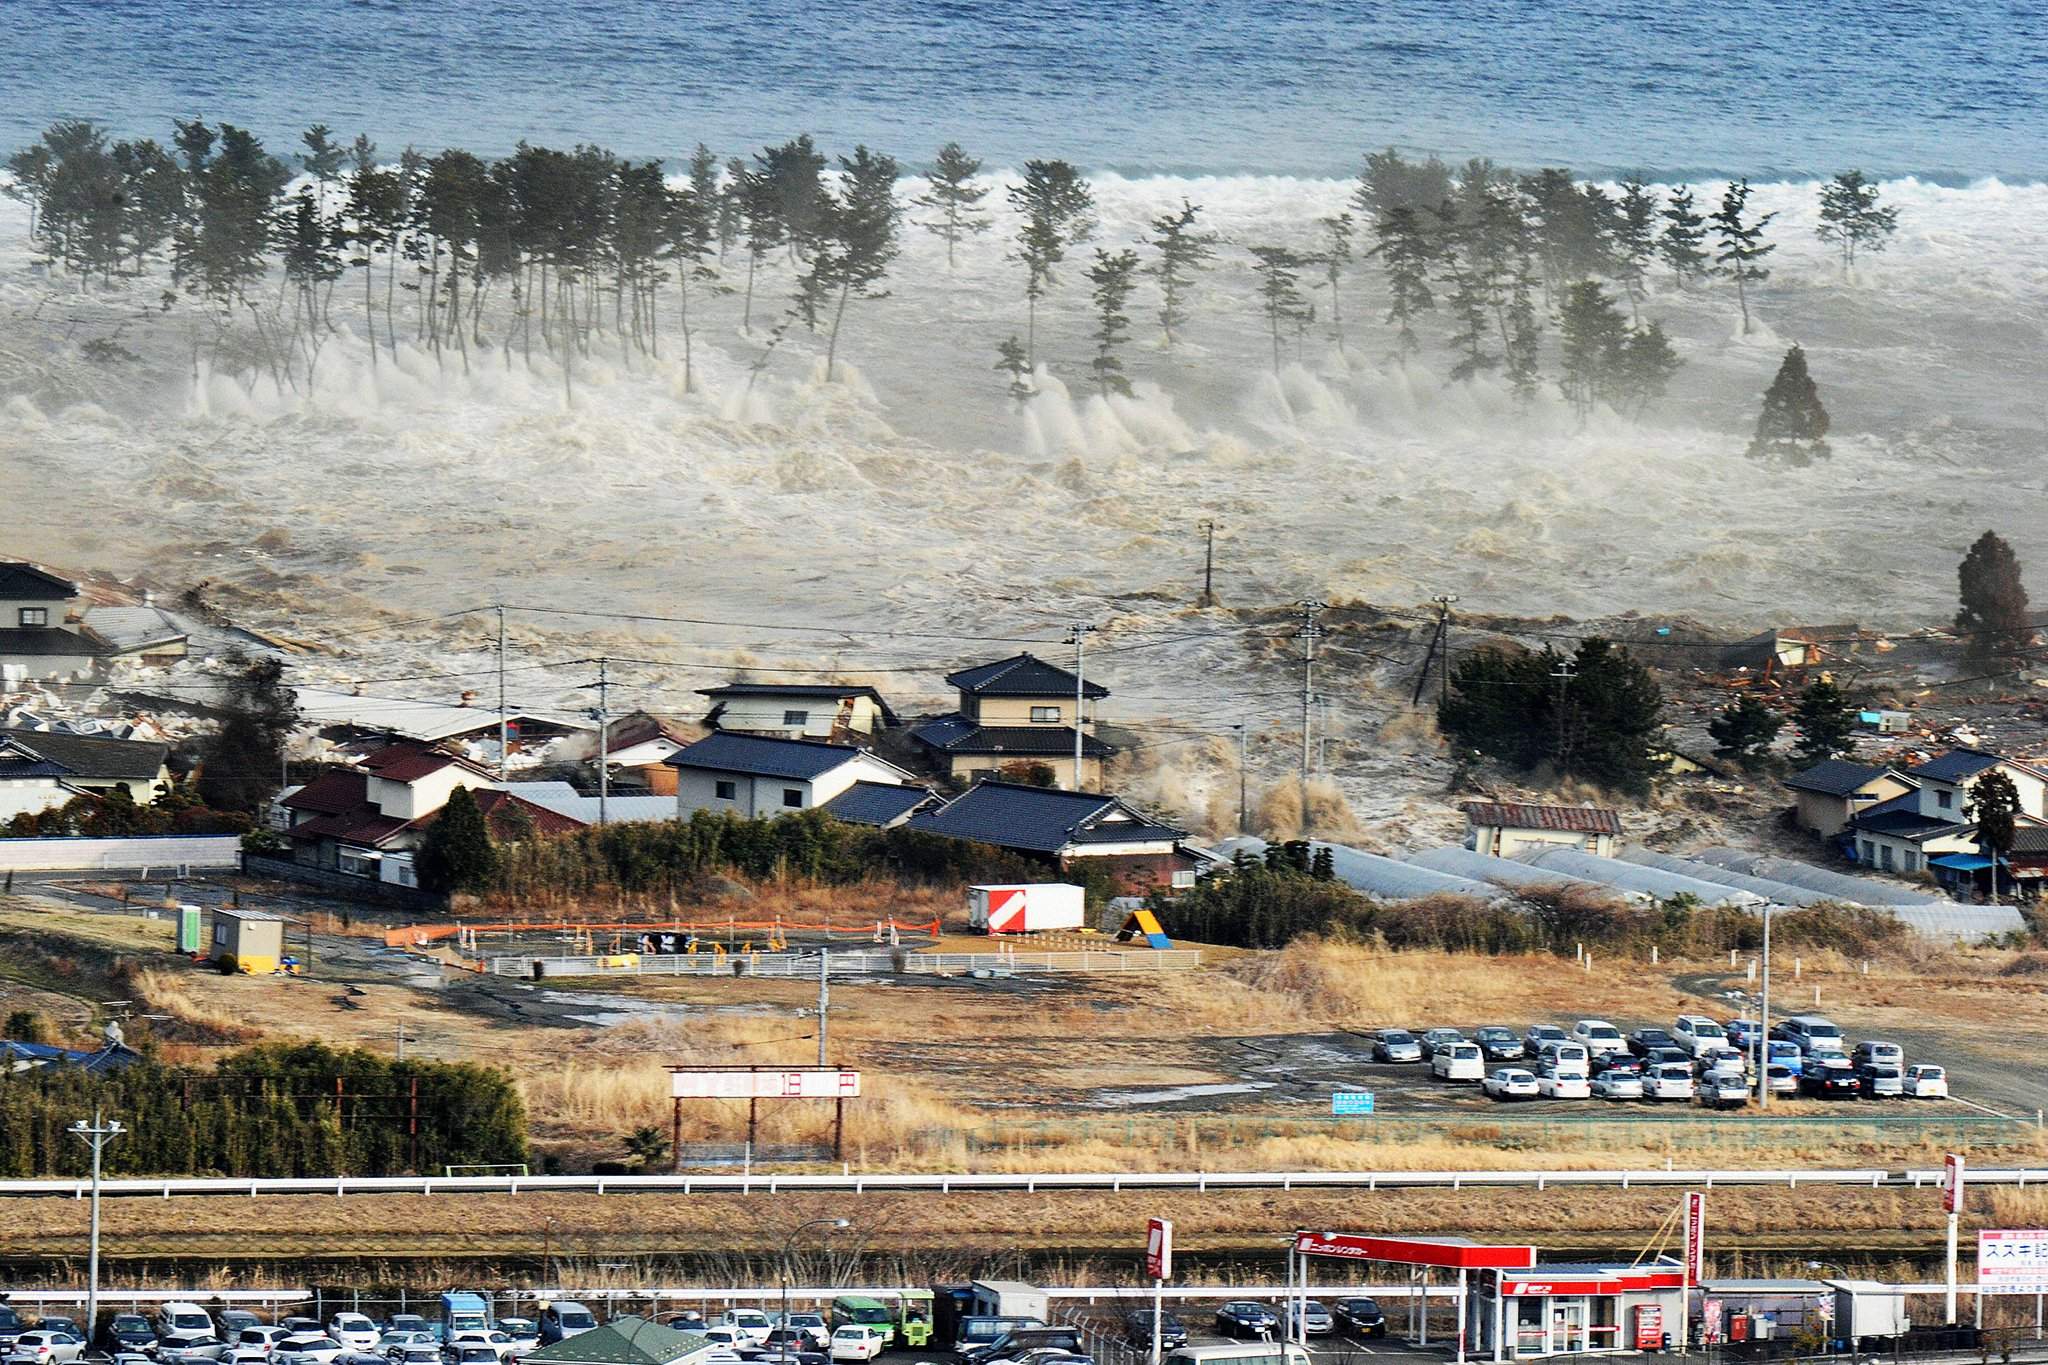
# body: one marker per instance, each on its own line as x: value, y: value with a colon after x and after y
x: 47, y: 1346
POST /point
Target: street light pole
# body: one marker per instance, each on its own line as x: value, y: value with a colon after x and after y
x: 1763, y: 1024
x: 96, y: 1135
x: 788, y: 1246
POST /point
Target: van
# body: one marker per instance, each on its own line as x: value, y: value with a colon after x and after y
x: 857, y: 1308
x: 176, y: 1319
x: 1814, y: 1034
x: 562, y: 1319
x: 1696, y: 1033
x: 1241, y: 1353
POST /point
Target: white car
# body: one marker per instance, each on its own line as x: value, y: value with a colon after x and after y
x: 180, y: 1319
x: 1925, y: 1082
x: 1783, y: 1079
x: 500, y: 1343
x: 415, y: 1355
x: 260, y: 1339
x: 392, y: 1343
x: 1510, y: 1083
x: 1696, y: 1033
x: 1669, y: 1081
x: 305, y: 1348
x: 190, y: 1350
x: 1723, y: 1090
x: 730, y: 1337
x: 751, y: 1323
x: 1598, y: 1037
x: 1553, y: 1084
x: 469, y: 1353
x: 1458, y: 1062
x: 859, y: 1341
x: 1568, y: 1059
x: 1617, y: 1085
x: 1721, y: 1061
x: 354, y: 1331
x: 47, y: 1347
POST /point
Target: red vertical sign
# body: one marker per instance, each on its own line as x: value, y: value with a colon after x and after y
x: 1695, y: 1236
x: 1952, y: 1183
x: 1159, y: 1248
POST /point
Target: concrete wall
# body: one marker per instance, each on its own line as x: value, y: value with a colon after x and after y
x: 53, y: 667
x: 156, y: 852
x: 58, y: 609
x: 358, y: 888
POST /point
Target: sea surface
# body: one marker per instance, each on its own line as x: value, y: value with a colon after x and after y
x: 1772, y: 89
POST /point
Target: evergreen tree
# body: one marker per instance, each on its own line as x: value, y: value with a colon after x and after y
x: 793, y: 178
x: 1598, y: 720
x: 376, y: 210
x: 1279, y: 274
x: 1336, y: 257
x: 860, y: 238
x: 1644, y: 367
x: 955, y: 199
x: 1739, y: 244
x: 1404, y: 251
x: 1012, y: 360
x: 1389, y: 182
x: 1851, y: 220
x: 1524, y: 346
x: 1683, y: 243
x: 456, y: 854
x: 1826, y: 722
x: 692, y: 221
x: 1995, y: 807
x: 1591, y: 335
x: 1182, y: 252
x: 1745, y: 729
x: 242, y: 762
x: 1460, y: 254
x: 1793, y: 425
x: 1993, y: 616
x: 761, y: 214
x: 1114, y: 277
x: 1635, y: 241
x: 1057, y: 207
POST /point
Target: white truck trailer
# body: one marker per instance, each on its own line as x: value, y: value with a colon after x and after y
x: 1025, y: 907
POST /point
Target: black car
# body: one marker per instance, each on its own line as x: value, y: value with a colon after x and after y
x: 1361, y: 1317
x: 1499, y: 1044
x: 233, y: 1320
x: 1138, y: 1330
x: 775, y: 1354
x: 126, y: 1332
x: 1243, y: 1318
x: 1620, y: 1063
x: 11, y: 1325
x: 1830, y: 1083
x: 1643, y: 1039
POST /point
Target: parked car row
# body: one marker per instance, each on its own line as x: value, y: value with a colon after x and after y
x: 1358, y: 1316
x: 1717, y: 1064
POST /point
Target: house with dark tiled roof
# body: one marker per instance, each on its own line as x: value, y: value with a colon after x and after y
x: 41, y: 633
x: 1016, y: 715
x: 43, y: 769
x: 755, y: 775
x: 1932, y: 820
x: 839, y: 712
x: 1835, y: 791
x: 1065, y: 827
x: 1505, y: 828
x: 365, y: 821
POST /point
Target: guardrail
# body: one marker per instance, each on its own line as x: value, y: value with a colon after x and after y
x: 805, y: 965
x: 1199, y: 1182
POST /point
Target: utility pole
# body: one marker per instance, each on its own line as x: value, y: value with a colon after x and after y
x: 97, y: 1135
x: 1443, y: 602
x: 1763, y: 1023
x: 1565, y: 671
x: 824, y: 999
x: 504, y: 720
x: 1207, y: 527
x: 1077, y: 636
x: 604, y: 739
x: 1242, y: 825
x: 1308, y: 632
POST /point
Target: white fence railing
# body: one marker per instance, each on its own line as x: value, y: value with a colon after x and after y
x: 805, y: 965
x: 166, y: 855
x: 1190, y: 1181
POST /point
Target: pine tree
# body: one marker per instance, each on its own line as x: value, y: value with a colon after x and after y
x: 1114, y: 277
x: 1683, y: 243
x: 1993, y: 616
x: 792, y: 177
x: 1405, y: 254
x: 1279, y: 273
x: 1635, y: 241
x: 1336, y: 257
x: 1740, y: 244
x: 1826, y: 722
x: 1591, y: 334
x: 863, y: 237
x: 1524, y: 348
x: 955, y: 199
x: 1995, y: 807
x: 1182, y: 252
x: 1644, y: 367
x: 456, y: 853
x: 1851, y: 219
x: 692, y: 220
x: 761, y: 215
x: 1013, y: 360
x: 1793, y: 425
x: 1460, y: 256
x: 1744, y: 729
x: 1057, y: 208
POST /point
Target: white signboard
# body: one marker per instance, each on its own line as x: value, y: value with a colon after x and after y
x: 2012, y: 1262
x: 792, y: 1083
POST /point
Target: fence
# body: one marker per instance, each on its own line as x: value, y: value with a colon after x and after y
x: 165, y: 854
x: 805, y: 965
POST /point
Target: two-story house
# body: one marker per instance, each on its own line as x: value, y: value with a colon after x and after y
x: 41, y: 634
x: 1834, y: 791
x: 1014, y: 715
x: 838, y: 712
x: 1932, y: 820
x: 43, y: 769
x: 755, y: 775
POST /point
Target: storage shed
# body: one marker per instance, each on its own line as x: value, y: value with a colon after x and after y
x: 247, y: 941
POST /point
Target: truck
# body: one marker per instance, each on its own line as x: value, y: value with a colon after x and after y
x: 1010, y: 1298
x: 1868, y: 1315
x: 462, y: 1311
x: 1025, y: 907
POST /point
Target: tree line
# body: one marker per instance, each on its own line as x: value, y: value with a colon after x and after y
x: 271, y: 1110
x: 558, y: 248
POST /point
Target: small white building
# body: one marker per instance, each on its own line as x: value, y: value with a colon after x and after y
x: 1504, y: 829
x: 754, y: 775
x: 829, y: 711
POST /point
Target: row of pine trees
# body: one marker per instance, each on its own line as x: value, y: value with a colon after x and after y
x: 463, y: 254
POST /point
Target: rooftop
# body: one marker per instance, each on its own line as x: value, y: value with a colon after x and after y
x: 1836, y: 777
x: 128, y: 629
x: 91, y: 756
x: 1515, y: 815
x: 1022, y: 675
x: 764, y: 756
x: 41, y: 642
x: 624, y: 1341
x: 955, y: 734
x: 22, y: 580
x: 818, y: 691
x: 409, y: 762
x: 875, y: 803
x: 423, y: 720
x: 1956, y: 765
x: 1039, y: 819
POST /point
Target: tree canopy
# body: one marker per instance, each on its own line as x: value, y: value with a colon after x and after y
x: 1992, y: 618
x: 1594, y: 714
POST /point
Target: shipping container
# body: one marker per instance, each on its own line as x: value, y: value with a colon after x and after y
x: 1025, y: 908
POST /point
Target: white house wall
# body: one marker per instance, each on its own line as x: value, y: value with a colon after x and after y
x: 1506, y: 843
x: 409, y: 801
x: 30, y: 796
x: 697, y: 788
x: 764, y: 715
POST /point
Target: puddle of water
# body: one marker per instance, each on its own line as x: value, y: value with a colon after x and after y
x: 1123, y: 1099
x: 613, y: 1010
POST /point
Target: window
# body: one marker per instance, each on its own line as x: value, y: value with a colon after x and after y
x: 726, y: 791
x: 793, y: 797
x: 797, y: 718
x: 1045, y: 715
x: 1912, y: 861
x: 1869, y: 854
x: 1944, y: 799
x: 1884, y: 856
x: 1183, y: 878
x: 35, y: 616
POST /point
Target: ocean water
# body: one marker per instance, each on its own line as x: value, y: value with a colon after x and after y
x: 1774, y: 89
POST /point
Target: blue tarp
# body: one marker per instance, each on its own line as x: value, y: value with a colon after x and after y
x: 1961, y: 862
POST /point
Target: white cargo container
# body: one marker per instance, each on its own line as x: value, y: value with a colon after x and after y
x: 1025, y: 907
x: 1865, y: 1309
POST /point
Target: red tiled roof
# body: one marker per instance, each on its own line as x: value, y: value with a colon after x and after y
x: 406, y: 762
x: 363, y: 825
x: 496, y: 804
x: 1512, y: 815
x: 331, y: 793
